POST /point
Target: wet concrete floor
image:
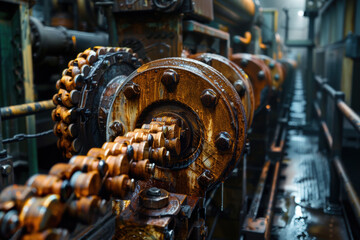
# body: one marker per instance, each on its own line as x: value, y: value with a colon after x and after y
x: 304, y: 184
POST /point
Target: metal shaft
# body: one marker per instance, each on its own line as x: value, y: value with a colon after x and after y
x: 26, y: 109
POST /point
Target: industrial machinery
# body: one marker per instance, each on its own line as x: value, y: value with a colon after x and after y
x: 166, y: 116
x: 141, y: 129
x: 144, y: 122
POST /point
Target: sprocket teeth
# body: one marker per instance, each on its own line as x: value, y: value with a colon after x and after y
x: 69, y: 94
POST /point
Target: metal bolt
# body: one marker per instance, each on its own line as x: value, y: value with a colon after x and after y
x: 277, y: 77
x: 223, y: 141
x: 131, y: 91
x: 170, y: 79
x: 205, y: 178
x: 6, y: 169
x: 261, y: 75
x: 117, y: 128
x: 244, y: 62
x: 208, y: 98
x: 154, y: 198
x: 153, y: 192
x: 206, y: 60
x: 271, y: 65
x: 240, y: 87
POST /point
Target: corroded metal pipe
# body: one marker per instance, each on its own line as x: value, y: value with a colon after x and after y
x: 353, y: 197
x: 350, y: 115
x: 26, y: 109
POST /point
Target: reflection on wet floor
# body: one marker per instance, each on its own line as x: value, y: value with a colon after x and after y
x: 304, y: 184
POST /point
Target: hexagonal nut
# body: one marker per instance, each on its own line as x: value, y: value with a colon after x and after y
x: 223, y: 141
x: 170, y: 79
x: 154, y: 198
x: 205, y: 179
x: 132, y: 91
x: 116, y: 129
x: 209, y: 98
x: 240, y: 87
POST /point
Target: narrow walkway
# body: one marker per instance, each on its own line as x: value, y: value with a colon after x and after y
x: 303, y: 184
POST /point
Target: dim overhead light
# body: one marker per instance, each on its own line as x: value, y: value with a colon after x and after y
x: 300, y: 13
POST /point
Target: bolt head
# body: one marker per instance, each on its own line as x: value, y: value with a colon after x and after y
x: 153, y: 192
x: 132, y: 91
x: 223, y: 141
x: 261, y: 75
x: 170, y: 79
x: 206, y: 60
x: 271, y: 65
x: 154, y: 198
x: 209, y: 98
x: 205, y: 179
x: 244, y: 62
x: 117, y: 128
x: 240, y: 87
x: 277, y: 77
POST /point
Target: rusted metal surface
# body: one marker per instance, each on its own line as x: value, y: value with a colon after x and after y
x: 326, y: 131
x: 175, y: 218
x: 235, y: 12
x: 199, y: 152
x: 259, y: 74
x: 26, y: 109
x: 236, y: 76
x: 152, y: 38
x: 353, y: 196
x: 208, y: 33
x: 269, y: 210
x: 192, y: 26
x: 203, y: 9
x: 79, y: 190
x: 277, y: 72
x: 350, y: 115
x: 146, y: 5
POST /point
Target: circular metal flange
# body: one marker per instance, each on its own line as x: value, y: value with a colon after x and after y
x: 204, y: 122
x: 236, y: 76
x: 277, y: 73
x: 259, y: 75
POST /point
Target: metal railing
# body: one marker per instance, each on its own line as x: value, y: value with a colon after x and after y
x: 331, y: 109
